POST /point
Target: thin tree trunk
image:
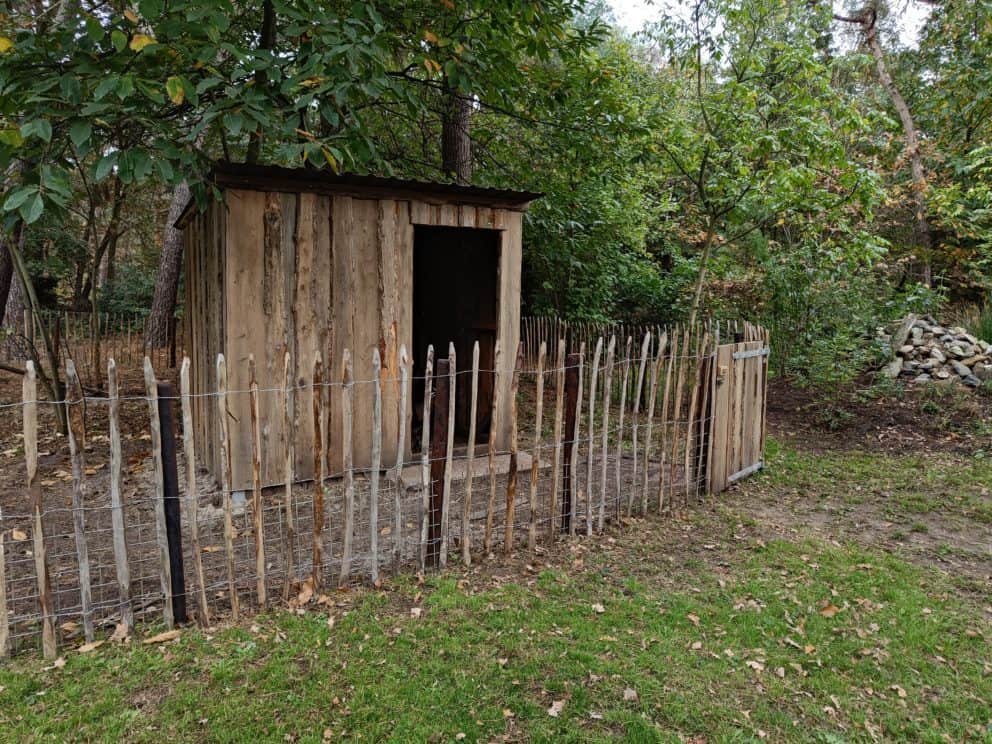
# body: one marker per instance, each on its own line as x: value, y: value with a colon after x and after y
x: 267, y: 40
x: 456, y: 144
x: 6, y: 275
x: 167, y: 279
x: 704, y: 259
x: 921, y: 227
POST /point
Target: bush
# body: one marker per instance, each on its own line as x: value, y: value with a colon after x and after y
x: 131, y: 291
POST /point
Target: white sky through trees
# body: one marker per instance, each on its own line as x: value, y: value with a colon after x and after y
x: 633, y: 14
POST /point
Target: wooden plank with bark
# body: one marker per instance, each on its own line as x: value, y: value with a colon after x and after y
x: 400, y: 454
x: 161, y: 535
x: 192, y: 497
x: 605, y: 446
x: 289, y: 507
x: 449, y: 450
x: 425, y: 456
x: 511, y: 478
x: 535, y: 466
x: 375, y: 466
x: 590, y: 456
x: 76, y: 437
x: 121, y: 564
x: 347, y: 426
x: 469, y: 460
x: 29, y: 392
x: 258, y: 524
x: 319, y: 470
x: 635, y: 418
x: 225, y: 474
x: 556, y: 467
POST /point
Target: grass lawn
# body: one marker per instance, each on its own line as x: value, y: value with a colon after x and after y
x: 703, y: 628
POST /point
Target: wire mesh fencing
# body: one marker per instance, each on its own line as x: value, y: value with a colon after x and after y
x: 117, y: 520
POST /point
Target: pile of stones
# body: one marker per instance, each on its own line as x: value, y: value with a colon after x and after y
x: 923, y: 350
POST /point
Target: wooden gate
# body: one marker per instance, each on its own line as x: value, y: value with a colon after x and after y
x: 737, y: 426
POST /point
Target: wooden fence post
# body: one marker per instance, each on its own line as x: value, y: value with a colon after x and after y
x: 665, y: 398
x: 623, y: 411
x: 319, y: 462
x: 635, y: 420
x: 161, y: 538
x: 590, y: 456
x: 226, y: 480
x: 470, y: 460
x: 511, y: 478
x: 29, y: 391
x: 448, y: 454
x: 487, y: 539
x: 438, y: 461
x: 535, y: 464
x: 258, y: 517
x: 376, y: 464
x: 289, y: 421
x: 605, y: 447
x: 116, y: 501
x: 557, y: 521
x: 652, y: 397
x: 192, y: 497
x: 4, y: 614
x: 74, y: 415
x: 400, y: 455
x: 347, y: 425
x: 573, y: 422
x: 425, y: 456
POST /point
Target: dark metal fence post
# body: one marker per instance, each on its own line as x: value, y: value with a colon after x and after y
x: 170, y: 488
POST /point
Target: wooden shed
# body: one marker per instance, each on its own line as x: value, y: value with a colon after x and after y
x: 304, y: 261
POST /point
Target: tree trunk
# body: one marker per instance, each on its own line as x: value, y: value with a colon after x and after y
x: 921, y: 227
x: 704, y: 260
x: 6, y: 275
x: 167, y: 279
x: 267, y: 40
x: 456, y: 144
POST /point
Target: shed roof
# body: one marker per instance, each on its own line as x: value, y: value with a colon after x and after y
x: 313, y: 180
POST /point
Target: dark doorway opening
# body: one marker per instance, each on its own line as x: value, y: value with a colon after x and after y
x: 456, y: 299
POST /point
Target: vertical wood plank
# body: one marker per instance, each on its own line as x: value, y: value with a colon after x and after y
x: 635, y: 417
x: 487, y: 539
x: 4, y: 613
x: 192, y: 498
x: 448, y: 454
x: 289, y: 507
x: 690, y: 425
x: 556, y: 467
x: 439, y: 439
x: 535, y: 465
x: 590, y: 456
x: 29, y: 393
x: 648, y: 429
x: 116, y: 501
x: 668, y: 482
x: 470, y: 460
x: 376, y: 464
x: 623, y: 410
x: 161, y: 538
x: 225, y: 472
x: 686, y: 351
x: 256, y: 483
x: 425, y: 456
x: 511, y: 478
x: 400, y: 453
x: 319, y: 467
x: 605, y: 446
x: 74, y: 415
x: 575, y: 434
x: 347, y: 426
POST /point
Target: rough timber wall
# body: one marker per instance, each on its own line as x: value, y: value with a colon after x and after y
x: 313, y: 272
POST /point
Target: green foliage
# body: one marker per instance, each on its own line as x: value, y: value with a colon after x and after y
x: 130, y: 292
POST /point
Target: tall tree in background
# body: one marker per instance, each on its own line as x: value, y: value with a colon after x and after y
x: 867, y: 21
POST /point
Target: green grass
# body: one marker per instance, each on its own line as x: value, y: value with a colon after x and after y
x: 708, y: 629
x: 909, y: 484
x: 728, y: 652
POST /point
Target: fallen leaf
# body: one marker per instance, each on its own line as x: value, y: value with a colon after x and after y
x: 306, y: 593
x: 780, y: 672
x: 169, y: 635
x: 595, y: 716
x: 19, y: 535
x: 556, y: 708
x: 829, y: 610
x: 693, y: 618
x: 696, y: 645
x: 58, y: 663
x: 87, y: 647
x: 898, y: 690
x: 416, y: 611
x: 629, y: 694
x: 507, y: 713
x: 756, y: 665
x: 598, y: 608
x: 120, y: 633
